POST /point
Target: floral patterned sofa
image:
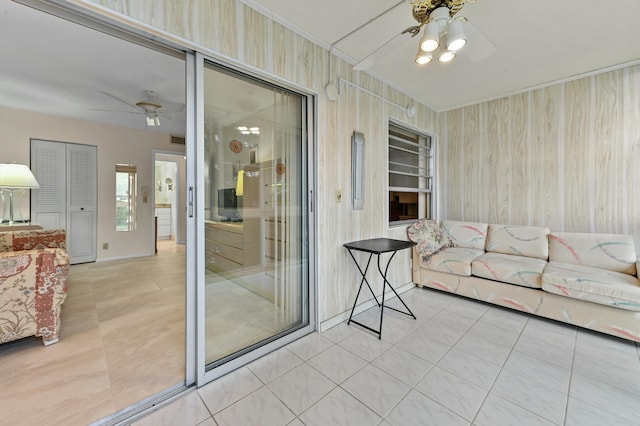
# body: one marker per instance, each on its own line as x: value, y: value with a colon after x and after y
x: 34, y: 266
x: 585, y: 279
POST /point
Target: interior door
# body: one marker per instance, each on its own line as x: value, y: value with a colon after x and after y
x: 49, y: 202
x: 81, y: 203
x: 67, y: 196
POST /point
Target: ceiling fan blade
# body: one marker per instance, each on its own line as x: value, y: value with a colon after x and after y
x: 115, y: 110
x: 171, y: 107
x: 368, y: 61
x: 118, y: 99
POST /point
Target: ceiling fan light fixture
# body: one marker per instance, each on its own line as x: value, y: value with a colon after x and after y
x: 431, y: 39
x: 447, y: 56
x: 152, y: 120
x: 423, y: 58
x: 440, y: 15
x: 456, y: 38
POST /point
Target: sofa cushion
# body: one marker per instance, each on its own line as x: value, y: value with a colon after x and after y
x: 593, y: 285
x: 614, y: 252
x: 429, y: 237
x: 471, y: 235
x: 518, y: 270
x: 454, y: 260
x: 529, y: 241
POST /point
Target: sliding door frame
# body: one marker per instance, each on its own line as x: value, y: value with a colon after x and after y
x: 309, y: 224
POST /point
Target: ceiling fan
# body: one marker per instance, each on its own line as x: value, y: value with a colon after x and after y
x: 150, y: 106
x: 439, y: 18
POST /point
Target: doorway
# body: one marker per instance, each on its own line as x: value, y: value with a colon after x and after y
x: 253, y: 174
x: 169, y: 198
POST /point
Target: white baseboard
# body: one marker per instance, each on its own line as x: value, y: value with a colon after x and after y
x: 332, y: 322
x: 136, y: 256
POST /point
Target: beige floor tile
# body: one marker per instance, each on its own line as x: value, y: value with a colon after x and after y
x: 188, y: 410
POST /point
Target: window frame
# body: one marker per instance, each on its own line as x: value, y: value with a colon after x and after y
x: 131, y: 194
x: 426, y: 184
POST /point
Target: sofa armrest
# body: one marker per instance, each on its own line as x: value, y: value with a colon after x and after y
x: 32, y: 290
x: 32, y: 239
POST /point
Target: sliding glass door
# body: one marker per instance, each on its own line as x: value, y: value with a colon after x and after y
x: 254, y: 232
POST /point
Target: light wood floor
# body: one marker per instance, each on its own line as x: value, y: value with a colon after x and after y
x: 123, y: 340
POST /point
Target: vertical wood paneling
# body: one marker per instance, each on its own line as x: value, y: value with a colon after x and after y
x: 564, y: 156
x: 497, y: 189
x: 520, y: 159
x: 607, y: 156
x: 283, y: 42
x: 442, y: 169
x: 218, y: 26
x: 256, y: 52
x: 471, y: 161
x: 546, y: 158
x: 453, y: 168
x: 577, y: 168
x: 481, y: 173
x: 631, y: 152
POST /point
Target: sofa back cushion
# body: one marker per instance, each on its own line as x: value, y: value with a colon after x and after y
x: 613, y: 252
x: 32, y: 239
x: 471, y: 235
x: 529, y: 241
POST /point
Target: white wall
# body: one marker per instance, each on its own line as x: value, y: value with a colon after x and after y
x: 114, y: 145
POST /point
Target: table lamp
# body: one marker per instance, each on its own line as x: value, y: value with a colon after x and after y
x: 15, y: 177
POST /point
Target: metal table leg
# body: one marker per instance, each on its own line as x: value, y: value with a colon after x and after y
x: 384, y: 284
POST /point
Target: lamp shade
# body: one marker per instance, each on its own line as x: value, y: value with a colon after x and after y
x: 240, y: 184
x: 17, y: 176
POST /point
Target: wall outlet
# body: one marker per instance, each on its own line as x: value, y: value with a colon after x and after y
x: 105, y: 246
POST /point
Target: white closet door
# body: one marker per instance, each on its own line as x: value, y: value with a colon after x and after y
x: 81, y: 202
x: 49, y: 202
x: 67, y: 197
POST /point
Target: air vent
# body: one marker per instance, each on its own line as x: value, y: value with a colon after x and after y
x: 177, y: 140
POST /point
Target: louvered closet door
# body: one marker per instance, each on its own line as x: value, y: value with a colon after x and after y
x: 49, y: 202
x: 81, y: 202
x: 66, y: 198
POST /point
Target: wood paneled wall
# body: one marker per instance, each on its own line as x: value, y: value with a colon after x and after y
x: 566, y: 156
x: 231, y: 29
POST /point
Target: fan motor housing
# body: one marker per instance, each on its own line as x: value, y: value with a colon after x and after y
x: 422, y: 9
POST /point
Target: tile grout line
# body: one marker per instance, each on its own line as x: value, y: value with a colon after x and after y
x: 573, y: 358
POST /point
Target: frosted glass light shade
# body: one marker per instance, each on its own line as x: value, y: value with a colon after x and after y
x: 17, y: 176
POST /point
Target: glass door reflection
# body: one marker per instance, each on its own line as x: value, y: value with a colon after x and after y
x: 256, y: 262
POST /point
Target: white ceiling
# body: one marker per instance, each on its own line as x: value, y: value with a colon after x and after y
x: 56, y: 67
x: 533, y: 42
